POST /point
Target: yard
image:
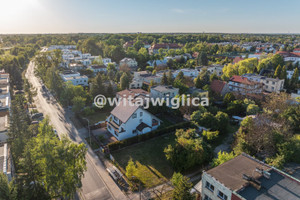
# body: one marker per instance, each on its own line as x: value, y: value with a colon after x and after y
x: 97, y: 116
x: 150, y: 159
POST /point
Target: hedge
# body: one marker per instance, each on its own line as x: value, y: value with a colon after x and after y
x: 139, y: 138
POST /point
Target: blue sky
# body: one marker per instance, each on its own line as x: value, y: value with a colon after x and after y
x: 72, y: 16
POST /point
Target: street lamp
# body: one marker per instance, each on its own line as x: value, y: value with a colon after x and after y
x: 88, y: 129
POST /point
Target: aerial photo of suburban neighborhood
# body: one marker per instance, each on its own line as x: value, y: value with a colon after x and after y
x: 149, y: 100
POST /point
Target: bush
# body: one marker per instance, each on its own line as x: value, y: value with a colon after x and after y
x: 136, y: 139
x: 210, y: 135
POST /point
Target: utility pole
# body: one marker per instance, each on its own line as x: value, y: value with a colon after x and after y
x: 89, y: 130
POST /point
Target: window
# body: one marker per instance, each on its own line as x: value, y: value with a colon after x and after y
x: 206, y: 197
x: 273, y: 83
x: 222, y: 196
x: 210, y: 186
x: 134, y: 116
x: 141, y: 114
x: 267, y: 87
x: 141, y: 120
x: 267, y: 81
x: 273, y: 88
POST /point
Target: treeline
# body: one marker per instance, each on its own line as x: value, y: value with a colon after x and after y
x: 45, y: 167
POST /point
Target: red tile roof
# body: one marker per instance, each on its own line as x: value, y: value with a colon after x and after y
x: 237, y: 59
x: 217, y: 86
x: 240, y: 79
x: 298, y: 49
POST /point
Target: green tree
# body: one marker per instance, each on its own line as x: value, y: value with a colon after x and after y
x: 188, y: 151
x: 252, y: 109
x: 170, y: 78
x: 222, y: 158
x: 78, y: 103
x: 202, y: 59
x: 278, y: 71
x: 182, y: 187
x: 164, y: 80
x: 283, y: 73
x: 295, y: 79
x: 124, y: 81
x: 180, y: 76
x: 198, y: 83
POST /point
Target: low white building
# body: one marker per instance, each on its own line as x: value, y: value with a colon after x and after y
x: 129, y: 62
x: 75, y: 78
x: 192, y: 73
x: 97, y: 68
x: 269, y: 84
x: 245, y: 177
x: 163, y: 92
x: 106, y: 61
x: 126, y: 121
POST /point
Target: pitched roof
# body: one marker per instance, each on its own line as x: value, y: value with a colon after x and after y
x: 217, y: 86
x: 132, y: 92
x: 124, y: 111
x: 243, y: 80
x: 237, y: 59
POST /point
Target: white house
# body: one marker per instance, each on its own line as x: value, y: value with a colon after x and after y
x: 192, y: 73
x: 75, y: 78
x: 269, y: 84
x: 97, y: 68
x: 76, y: 66
x: 129, y: 62
x: 126, y: 121
x: 162, y: 91
x: 106, y: 61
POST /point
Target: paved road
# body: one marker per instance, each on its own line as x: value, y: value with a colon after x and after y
x: 96, y: 184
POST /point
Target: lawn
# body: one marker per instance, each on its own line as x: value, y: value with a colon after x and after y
x: 149, y: 156
x: 98, y: 116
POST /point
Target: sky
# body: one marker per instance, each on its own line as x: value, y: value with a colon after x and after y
x: 124, y: 16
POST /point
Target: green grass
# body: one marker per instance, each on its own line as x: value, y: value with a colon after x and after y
x: 92, y: 144
x: 98, y: 116
x: 150, y: 157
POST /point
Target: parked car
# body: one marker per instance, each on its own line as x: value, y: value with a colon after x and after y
x: 37, y: 115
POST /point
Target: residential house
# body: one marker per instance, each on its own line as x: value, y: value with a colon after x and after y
x: 155, y: 47
x: 290, y: 56
x: 132, y: 93
x: 131, y: 63
x: 237, y: 59
x: 244, y: 86
x: 269, y: 84
x: 192, y: 73
x: 97, y: 68
x: 126, y: 121
x: 5, y: 103
x: 162, y: 91
x: 245, y: 177
x: 219, y: 87
x: 6, y: 164
x: 106, y: 61
x: 196, y: 92
x: 144, y: 77
x: 212, y: 69
x: 76, y: 67
x: 75, y: 78
x: 154, y: 63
